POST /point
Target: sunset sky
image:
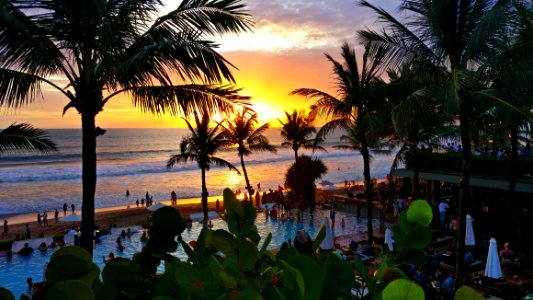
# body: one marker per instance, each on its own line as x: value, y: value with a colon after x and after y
x: 285, y: 51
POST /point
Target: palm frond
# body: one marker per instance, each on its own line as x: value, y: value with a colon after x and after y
x: 187, y: 99
x: 214, y: 17
x: 26, y: 42
x: 162, y: 52
x: 24, y: 137
x: 222, y: 163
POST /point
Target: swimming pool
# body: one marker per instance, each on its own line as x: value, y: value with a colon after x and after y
x: 15, y: 271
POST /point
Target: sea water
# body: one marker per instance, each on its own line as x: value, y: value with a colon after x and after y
x: 135, y: 160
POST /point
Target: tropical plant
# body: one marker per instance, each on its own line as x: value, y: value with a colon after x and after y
x: 455, y: 37
x: 360, y: 109
x: 201, y: 146
x: 107, y: 48
x: 417, y: 117
x: 25, y: 137
x: 241, y: 131
x: 300, y: 180
x: 297, y: 131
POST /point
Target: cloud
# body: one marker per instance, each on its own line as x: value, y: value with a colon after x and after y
x: 299, y: 24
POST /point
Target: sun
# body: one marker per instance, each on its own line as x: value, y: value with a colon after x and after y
x: 267, y: 113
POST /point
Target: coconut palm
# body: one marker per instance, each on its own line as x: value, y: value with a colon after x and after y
x: 297, y: 131
x: 100, y: 49
x: 24, y: 137
x: 242, y: 131
x: 359, y: 109
x: 417, y: 116
x: 454, y: 37
x: 201, y: 146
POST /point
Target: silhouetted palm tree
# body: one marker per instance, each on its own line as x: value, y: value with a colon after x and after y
x: 24, y: 137
x: 241, y: 131
x: 417, y: 116
x: 359, y: 109
x: 105, y: 48
x: 201, y: 146
x: 455, y: 37
x: 297, y: 131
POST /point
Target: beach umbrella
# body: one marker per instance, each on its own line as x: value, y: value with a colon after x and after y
x: 327, y: 243
x: 71, y: 218
x: 330, y: 187
x: 388, y: 239
x: 470, y: 239
x: 156, y: 206
x: 492, y: 267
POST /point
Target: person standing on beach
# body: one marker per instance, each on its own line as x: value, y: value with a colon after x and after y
x: 137, y: 202
x: 65, y: 209
x: 173, y: 198
x: 5, y: 228
x: 39, y: 218
x: 28, y: 232
x: 127, y: 195
x: 73, y: 208
x: 45, y: 218
x: 217, y: 205
x: 56, y: 215
x: 332, y: 217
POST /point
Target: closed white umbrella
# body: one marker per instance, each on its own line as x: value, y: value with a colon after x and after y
x: 470, y: 239
x: 492, y: 267
x: 156, y: 206
x: 327, y: 243
x: 71, y: 218
x: 388, y: 239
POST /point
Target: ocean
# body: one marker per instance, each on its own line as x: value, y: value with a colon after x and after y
x: 135, y: 160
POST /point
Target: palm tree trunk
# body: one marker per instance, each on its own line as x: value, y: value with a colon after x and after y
x: 416, y: 172
x: 248, y: 187
x: 204, y: 196
x: 88, y: 180
x: 464, y: 185
x: 513, y: 162
x: 368, y: 188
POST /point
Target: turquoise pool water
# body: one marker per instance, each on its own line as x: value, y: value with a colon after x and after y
x: 15, y: 271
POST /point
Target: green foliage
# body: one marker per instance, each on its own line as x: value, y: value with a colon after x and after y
x: 420, y: 212
x: 6, y: 294
x: 70, y: 289
x: 467, y: 293
x: 301, y: 176
x: 74, y: 263
x: 411, y: 236
x: 401, y: 289
x: 6, y: 244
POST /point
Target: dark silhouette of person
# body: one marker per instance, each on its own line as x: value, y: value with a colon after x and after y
x: 27, y: 250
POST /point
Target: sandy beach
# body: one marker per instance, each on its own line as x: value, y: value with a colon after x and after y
x: 119, y: 216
